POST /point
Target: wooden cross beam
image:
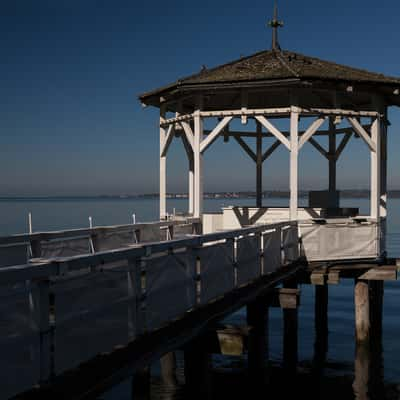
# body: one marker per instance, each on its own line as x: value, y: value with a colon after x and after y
x: 276, y: 132
x: 363, y: 133
x: 209, y: 140
x: 167, y: 141
x: 311, y: 130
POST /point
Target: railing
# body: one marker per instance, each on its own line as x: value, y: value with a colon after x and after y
x: 19, y: 249
x: 57, y: 314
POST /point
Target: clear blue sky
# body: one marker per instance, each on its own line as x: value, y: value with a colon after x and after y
x: 71, y: 70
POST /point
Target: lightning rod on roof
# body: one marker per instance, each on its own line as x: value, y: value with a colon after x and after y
x: 275, y: 24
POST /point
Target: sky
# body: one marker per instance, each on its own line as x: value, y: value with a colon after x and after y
x: 71, y: 72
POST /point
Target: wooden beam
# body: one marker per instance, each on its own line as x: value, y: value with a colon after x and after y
x: 343, y: 144
x: 276, y: 132
x: 233, y: 340
x: 246, y: 148
x: 285, y: 298
x: 340, y: 131
x: 209, y: 140
x: 317, y: 146
x: 190, y: 157
x: 248, y: 112
x: 376, y: 169
x: 259, y: 162
x: 294, y: 154
x: 381, y: 273
x: 167, y: 140
x: 163, y: 167
x: 332, y: 158
x: 311, y: 131
x: 198, y: 161
x: 362, y: 132
x: 188, y: 133
x: 271, y: 149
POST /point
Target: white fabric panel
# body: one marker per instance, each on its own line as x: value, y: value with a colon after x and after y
x: 64, y: 247
x: 217, y: 270
x: 248, y: 259
x: 112, y: 240
x: 290, y: 241
x: 272, y: 251
x: 16, y: 254
x: 152, y: 234
x: 92, y: 315
x: 19, y: 342
x: 333, y: 242
x: 170, y: 288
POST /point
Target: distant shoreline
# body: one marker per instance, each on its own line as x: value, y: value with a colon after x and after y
x: 355, y: 194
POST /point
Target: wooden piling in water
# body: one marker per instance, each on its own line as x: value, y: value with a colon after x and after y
x: 362, y: 311
x: 321, y: 325
x: 168, y: 369
x: 290, y: 334
x: 257, y: 319
x: 141, y: 384
x: 198, y: 369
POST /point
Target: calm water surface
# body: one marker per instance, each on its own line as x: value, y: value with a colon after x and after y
x: 230, y: 374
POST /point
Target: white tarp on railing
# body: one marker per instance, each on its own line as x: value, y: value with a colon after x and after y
x: 113, y: 239
x: 170, y: 287
x: 339, y: 241
x: 92, y: 315
x: 248, y: 259
x: 64, y: 247
x: 272, y: 251
x: 216, y: 270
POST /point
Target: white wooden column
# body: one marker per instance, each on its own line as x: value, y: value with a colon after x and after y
x: 375, y: 169
x: 383, y: 200
x: 259, y: 163
x: 198, y: 162
x: 163, y: 167
x: 294, y: 155
x: 332, y: 158
x: 191, y: 185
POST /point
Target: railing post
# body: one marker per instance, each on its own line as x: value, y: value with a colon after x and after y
x: 40, y: 310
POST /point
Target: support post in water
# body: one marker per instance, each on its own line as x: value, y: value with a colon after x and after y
x: 141, y: 384
x: 290, y: 328
x: 198, y: 369
x: 257, y: 319
x: 362, y: 311
x: 168, y: 369
x: 321, y: 325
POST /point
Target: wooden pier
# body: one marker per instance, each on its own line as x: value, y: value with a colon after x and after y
x: 92, y: 320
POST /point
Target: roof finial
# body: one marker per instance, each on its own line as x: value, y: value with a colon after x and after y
x: 275, y: 24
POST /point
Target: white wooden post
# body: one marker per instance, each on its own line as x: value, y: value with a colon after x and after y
x: 259, y: 166
x: 163, y: 168
x: 294, y: 155
x: 198, y: 161
x: 375, y: 169
x: 332, y: 155
x: 383, y: 201
x: 191, y: 185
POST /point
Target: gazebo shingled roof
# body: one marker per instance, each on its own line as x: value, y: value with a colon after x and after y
x: 276, y: 65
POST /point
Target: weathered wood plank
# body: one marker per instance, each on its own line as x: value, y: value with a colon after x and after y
x: 285, y: 298
x: 382, y: 273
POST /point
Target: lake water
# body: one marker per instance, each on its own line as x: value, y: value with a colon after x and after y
x: 230, y: 375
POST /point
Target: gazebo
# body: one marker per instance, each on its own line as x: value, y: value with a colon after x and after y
x: 271, y: 86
